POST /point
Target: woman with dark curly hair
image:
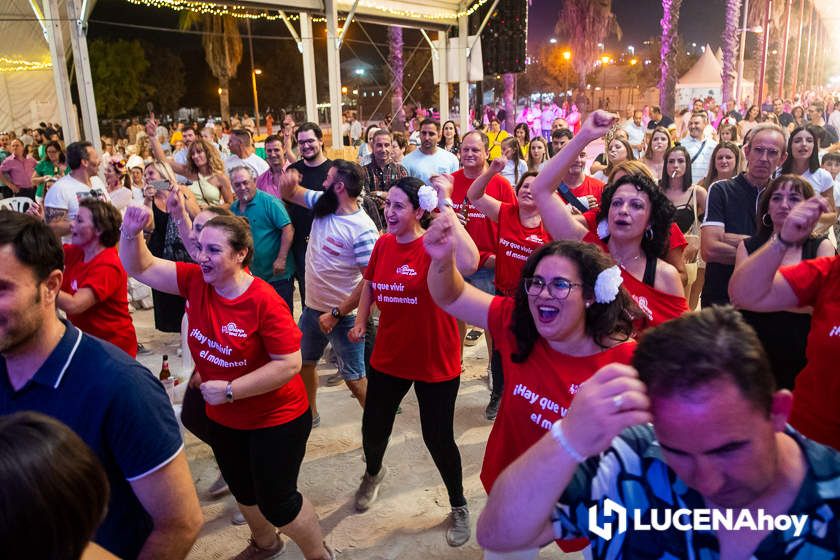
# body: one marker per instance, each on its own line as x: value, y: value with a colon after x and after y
x: 93, y: 290
x: 634, y: 227
x: 569, y: 317
x: 395, y: 279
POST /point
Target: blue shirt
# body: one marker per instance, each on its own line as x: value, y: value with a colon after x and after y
x: 119, y: 409
x: 422, y: 166
x: 267, y: 216
x: 633, y: 474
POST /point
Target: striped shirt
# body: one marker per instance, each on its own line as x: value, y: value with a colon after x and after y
x: 339, y: 249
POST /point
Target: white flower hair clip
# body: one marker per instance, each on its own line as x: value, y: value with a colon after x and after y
x: 603, y: 229
x: 428, y: 198
x: 607, y: 284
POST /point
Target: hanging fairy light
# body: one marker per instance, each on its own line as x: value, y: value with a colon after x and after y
x: 236, y: 11
x: 19, y: 65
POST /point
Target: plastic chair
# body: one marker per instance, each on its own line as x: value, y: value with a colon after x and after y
x: 16, y: 203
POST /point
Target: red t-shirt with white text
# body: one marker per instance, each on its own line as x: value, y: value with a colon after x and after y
x: 816, y: 402
x: 537, y: 392
x: 675, y: 241
x: 108, y: 318
x: 482, y: 229
x: 516, y: 244
x: 657, y: 306
x: 229, y: 338
x: 589, y: 186
x: 416, y: 339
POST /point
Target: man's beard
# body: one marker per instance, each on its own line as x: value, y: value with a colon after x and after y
x: 313, y: 157
x: 327, y: 204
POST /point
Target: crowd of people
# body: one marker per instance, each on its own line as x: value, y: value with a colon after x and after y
x: 583, y: 271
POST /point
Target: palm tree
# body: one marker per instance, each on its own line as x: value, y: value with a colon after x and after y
x: 668, y: 54
x: 586, y: 23
x: 730, y: 48
x: 509, y: 80
x: 395, y: 60
x: 222, y: 50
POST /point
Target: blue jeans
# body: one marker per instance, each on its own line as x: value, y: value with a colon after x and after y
x: 350, y: 355
x: 483, y: 280
x: 285, y: 289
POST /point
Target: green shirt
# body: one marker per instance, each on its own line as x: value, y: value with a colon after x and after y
x: 267, y: 216
x: 46, y: 167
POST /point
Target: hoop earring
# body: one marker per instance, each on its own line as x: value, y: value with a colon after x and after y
x: 765, y: 218
x: 649, y: 233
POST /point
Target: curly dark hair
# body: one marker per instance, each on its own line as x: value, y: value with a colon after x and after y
x: 662, y: 212
x: 605, y: 322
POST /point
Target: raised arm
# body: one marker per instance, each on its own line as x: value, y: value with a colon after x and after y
x: 518, y: 511
x: 446, y: 283
x: 477, y: 193
x: 556, y: 215
x: 157, y: 149
x: 756, y: 283
x: 136, y: 258
x: 290, y: 188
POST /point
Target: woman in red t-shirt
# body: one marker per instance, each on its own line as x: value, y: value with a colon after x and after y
x: 637, y: 219
x: 429, y: 359
x: 246, y: 348
x: 94, y: 290
x: 520, y: 233
x: 758, y: 284
x: 569, y: 319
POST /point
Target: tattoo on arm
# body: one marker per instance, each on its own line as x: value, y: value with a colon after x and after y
x: 54, y: 214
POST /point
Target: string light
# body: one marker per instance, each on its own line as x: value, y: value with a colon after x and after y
x: 20, y: 65
x: 210, y: 8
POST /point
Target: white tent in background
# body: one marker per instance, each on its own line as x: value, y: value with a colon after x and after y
x: 719, y: 55
x: 704, y: 80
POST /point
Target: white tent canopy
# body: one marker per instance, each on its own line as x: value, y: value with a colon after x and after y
x: 27, y: 91
x: 703, y: 80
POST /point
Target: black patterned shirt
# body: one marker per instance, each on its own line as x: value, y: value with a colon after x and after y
x: 633, y: 474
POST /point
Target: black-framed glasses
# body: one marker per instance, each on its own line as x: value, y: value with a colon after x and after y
x: 558, y: 288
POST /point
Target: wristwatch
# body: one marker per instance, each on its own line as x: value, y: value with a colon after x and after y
x: 229, y: 392
x: 335, y: 312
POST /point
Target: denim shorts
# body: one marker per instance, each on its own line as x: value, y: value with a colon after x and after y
x: 350, y: 355
x: 483, y: 280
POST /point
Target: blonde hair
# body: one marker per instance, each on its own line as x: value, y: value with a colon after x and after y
x: 214, y: 158
x: 631, y: 167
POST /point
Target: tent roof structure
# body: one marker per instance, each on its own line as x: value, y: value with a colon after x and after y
x: 705, y: 72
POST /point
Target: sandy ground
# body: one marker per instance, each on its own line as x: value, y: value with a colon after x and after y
x: 409, y: 518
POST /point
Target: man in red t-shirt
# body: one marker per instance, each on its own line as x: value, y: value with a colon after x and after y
x: 485, y: 232
x: 582, y: 185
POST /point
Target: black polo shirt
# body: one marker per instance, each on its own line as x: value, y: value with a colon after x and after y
x: 731, y: 204
x: 116, y: 406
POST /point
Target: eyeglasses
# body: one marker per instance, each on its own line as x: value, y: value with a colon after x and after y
x: 238, y: 184
x: 307, y: 141
x: 558, y: 288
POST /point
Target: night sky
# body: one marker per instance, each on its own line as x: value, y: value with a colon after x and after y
x: 701, y: 21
